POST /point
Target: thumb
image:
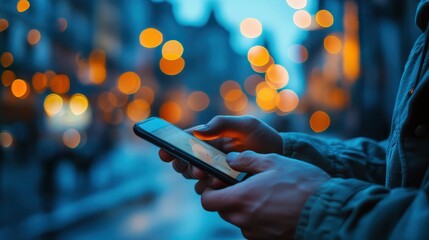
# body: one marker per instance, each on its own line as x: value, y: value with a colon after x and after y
x: 249, y: 162
x: 223, y: 126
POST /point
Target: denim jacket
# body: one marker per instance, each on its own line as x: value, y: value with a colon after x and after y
x: 379, y: 190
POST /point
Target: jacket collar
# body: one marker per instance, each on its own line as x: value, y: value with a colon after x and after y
x: 422, y: 16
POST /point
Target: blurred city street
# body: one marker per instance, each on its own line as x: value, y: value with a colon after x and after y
x: 76, y: 75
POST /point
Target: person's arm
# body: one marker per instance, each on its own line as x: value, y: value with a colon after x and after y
x: 352, y: 209
x: 360, y: 158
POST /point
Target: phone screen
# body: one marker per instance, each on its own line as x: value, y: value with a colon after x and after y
x: 197, y: 148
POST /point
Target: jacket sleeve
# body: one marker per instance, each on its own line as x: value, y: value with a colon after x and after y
x: 359, y: 158
x: 353, y: 209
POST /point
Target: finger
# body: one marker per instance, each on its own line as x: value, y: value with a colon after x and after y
x: 216, y: 183
x: 221, y: 199
x: 226, y: 126
x: 250, y: 162
x: 201, y: 185
x: 165, y: 156
x: 180, y: 166
x: 198, y: 173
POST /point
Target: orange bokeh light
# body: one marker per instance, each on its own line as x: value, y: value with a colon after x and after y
x: 53, y: 104
x: 172, y: 50
x: 251, y: 28
x: 4, y: 24
x: 7, y: 77
x: 6, y: 59
x: 287, y: 100
x: 236, y: 101
x: 172, y: 67
x: 258, y: 56
x: 198, y: 101
x: 138, y: 110
x: 129, y: 83
x: 228, y: 86
x: 171, y: 112
x: 266, y: 99
x: 33, y: 36
x: 324, y: 18
x: 263, y: 69
x: 332, y: 44
x: 319, y: 121
x: 151, y: 38
x: 19, y: 88
x: 60, y: 84
x: 145, y: 93
x: 6, y: 139
x: 97, y: 66
x: 40, y: 82
x: 22, y: 5
x: 277, y: 76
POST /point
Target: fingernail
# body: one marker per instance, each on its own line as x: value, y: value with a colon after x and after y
x: 202, y: 128
x: 231, y: 156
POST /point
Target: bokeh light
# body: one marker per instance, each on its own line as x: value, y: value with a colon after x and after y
x: 151, y: 38
x: 6, y: 59
x: 104, y: 101
x: 60, y: 84
x: 6, y: 139
x: 266, y: 99
x: 22, y: 5
x: 332, y: 44
x: 53, y: 104
x: 172, y: 50
x: 297, y: 4
x: 258, y: 56
x: 7, y: 77
x: 129, y: 82
x: 228, y: 86
x: 287, y: 100
x: 33, y: 36
x: 277, y: 76
x: 4, y: 24
x: 297, y: 53
x: 251, y: 82
x: 198, y: 101
x: 236, y: 101
x: 251, y: 28
x: 319, y: 121
x: 145, y: 93
x: 324, y: 18
x: 62, y: 24
x: 171, y: 112
x: 302, y: 19
x: 19, y: 88
x: 71, y: 138
x: 39, y: 82
x: 138, y: 110
x: 78, y: 104
x: 97, y: 66
x: 172, y: 67
x: 264, y: 68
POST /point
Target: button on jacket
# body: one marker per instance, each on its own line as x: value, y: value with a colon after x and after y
x: 379, y: 190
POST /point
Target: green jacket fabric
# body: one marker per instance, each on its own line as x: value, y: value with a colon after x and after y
x: 379, y: 190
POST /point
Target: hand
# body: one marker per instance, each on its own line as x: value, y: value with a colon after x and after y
x: 268, y: 204
x: 240, y: 133
x: 228, y: 133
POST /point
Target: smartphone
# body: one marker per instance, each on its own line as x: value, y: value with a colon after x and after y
x: 188, y: 148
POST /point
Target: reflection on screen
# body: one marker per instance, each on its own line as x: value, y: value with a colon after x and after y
x: 195, y: 147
